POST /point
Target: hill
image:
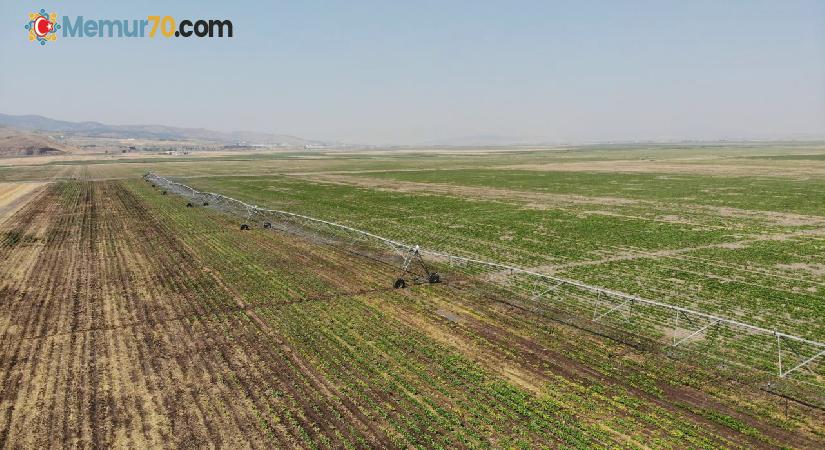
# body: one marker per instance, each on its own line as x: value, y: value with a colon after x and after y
x: 97, y: 129
x: 20, y: 143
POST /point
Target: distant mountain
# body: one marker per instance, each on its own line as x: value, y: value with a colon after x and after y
x: 97, y: 129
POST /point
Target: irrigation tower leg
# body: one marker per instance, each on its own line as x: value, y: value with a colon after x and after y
x: 413, y: 261
x: 779, y: 352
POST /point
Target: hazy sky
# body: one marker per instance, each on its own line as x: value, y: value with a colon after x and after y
x: 419, y: 71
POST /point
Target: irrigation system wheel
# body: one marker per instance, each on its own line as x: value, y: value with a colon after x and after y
x: 400, y: 284
x: 416, y: 270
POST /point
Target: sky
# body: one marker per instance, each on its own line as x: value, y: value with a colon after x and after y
x: 421, y: 72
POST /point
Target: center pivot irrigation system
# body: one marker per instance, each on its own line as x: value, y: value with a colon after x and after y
x: 731, y: 343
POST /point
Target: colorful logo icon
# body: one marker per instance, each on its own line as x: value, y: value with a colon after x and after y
x: 42, y: 26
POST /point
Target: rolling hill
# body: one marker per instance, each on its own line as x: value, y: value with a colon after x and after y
x: 97, y: 129
x: 21, y: 143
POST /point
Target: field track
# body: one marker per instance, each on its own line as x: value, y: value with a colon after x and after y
x: 128, y: 320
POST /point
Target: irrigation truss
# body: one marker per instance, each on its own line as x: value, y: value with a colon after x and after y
x: 730, y: 343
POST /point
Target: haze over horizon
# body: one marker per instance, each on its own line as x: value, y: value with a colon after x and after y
x: 376, y: 73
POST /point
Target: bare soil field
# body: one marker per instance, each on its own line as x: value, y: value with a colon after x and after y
x: 109, y: 337
x: 129, y: 320
x: 14, y: 195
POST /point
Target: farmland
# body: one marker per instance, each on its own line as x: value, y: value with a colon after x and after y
x: 128, y: 319
x: 14, y: 195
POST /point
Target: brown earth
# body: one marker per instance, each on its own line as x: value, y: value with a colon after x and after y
x: 115, y: 331
x: 14, y: 195
x: 480, y: 330
x: 109, y: 339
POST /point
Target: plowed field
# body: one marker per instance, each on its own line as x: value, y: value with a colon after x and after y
x: 127, y: 319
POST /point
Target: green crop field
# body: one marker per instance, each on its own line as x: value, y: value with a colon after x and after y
x: 285, y: 337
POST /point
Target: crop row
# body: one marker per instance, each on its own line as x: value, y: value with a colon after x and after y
x: 422, y: 390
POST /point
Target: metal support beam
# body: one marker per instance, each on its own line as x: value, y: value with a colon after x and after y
x: 779, y: 351
x: 675, y: 343
x: 802, y: 364
x: 596, y: 318
x: 675, y: 327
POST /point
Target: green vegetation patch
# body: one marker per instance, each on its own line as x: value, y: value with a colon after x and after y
x: 753, y: 193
